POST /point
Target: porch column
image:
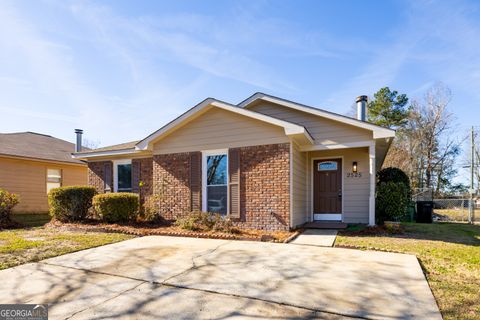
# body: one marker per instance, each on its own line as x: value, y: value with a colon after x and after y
x: 371, y: 202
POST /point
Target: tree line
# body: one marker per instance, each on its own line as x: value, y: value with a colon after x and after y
x: 425, y: 147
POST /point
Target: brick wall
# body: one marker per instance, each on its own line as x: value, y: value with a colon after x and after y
x: 171, y: 180
x: 96, y: 175
x: 144, y: 174
x: 265, y: 187
x: 264, y: 184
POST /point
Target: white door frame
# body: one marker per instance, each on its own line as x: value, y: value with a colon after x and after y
x: 206, y: 153
x: 326, y: 216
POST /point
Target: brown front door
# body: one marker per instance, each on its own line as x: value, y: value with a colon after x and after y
x: 327, y: 186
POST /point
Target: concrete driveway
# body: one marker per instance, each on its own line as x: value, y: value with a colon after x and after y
x: 167, y: 277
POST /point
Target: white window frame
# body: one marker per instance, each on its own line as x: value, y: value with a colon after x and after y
x: 116, y: 163
x: 46, y: 178
x: 205, y: 154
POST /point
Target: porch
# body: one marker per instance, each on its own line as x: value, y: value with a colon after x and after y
x: 334, y: 186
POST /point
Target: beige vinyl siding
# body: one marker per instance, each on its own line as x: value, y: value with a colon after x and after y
x: 324, y: 131
x: 27, y: 178
x: 219, y: 129
x: 356, y: 191
x: 300, y: 213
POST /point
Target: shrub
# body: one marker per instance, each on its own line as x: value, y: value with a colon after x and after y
x: 7, y: 202
x: 150, y: 209
x: 223, y: 224
x: 70, y: 203
x: 391, y: 203
x: 204, y: 221
x: 396, y: 175
x: 117, y: 207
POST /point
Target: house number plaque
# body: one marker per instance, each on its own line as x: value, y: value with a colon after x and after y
x: 354, y: 174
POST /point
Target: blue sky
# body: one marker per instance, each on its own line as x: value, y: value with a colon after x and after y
x: 122, y: 69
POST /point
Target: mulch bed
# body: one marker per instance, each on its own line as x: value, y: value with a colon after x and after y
x: 162, y: 229
x: 9, y: 224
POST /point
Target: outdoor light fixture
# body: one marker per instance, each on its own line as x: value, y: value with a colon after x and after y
x: 354, y: 166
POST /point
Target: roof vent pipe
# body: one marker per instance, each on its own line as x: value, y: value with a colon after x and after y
x: 78, y: 145
x: 362, y: 107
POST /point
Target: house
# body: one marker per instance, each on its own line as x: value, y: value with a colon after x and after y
x: 267, y: 163
x: 32, y: 163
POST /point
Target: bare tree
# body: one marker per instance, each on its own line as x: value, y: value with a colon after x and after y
x: 424, y: 147
x: 90, y: 144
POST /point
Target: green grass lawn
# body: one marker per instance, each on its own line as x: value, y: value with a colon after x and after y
x: 449, y: 254
x: 31, y: 244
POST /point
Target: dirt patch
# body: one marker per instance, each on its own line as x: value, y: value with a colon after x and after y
x: 144, y: 229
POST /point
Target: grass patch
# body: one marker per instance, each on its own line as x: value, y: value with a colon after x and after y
x: 29, y: 245
x: 449, y: 254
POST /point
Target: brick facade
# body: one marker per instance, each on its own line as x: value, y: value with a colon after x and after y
x: 96, y: 174
x: 171, y: 180
x: 265, y: 187
x: 264, y: 184
x: 143, y: 174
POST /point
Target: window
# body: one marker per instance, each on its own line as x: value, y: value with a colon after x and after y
x: 216, y: 186
x: 122, y: 175
x: 327, y: 166
x: 54, y: 179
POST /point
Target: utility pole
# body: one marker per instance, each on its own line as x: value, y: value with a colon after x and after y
x: 471, y: 207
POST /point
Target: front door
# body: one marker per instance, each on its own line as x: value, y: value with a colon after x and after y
x: 327, y: 189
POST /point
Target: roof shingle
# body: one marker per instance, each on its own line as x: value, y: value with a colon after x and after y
x: 121, y: 146
x: 37, y: 146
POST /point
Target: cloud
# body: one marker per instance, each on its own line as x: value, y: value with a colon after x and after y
x: 437, y: 38
x: 184, y: 44
x: 44, y: 79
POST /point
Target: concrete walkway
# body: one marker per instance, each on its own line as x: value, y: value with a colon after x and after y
x: 316, y: 237
x: 184, y: 278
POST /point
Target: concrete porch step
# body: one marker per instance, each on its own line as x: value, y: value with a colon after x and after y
x: 325, y: 225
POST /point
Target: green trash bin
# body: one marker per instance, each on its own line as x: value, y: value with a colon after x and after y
x: 411, y: 211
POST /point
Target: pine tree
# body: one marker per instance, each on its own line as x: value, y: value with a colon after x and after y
x: 388, y: 108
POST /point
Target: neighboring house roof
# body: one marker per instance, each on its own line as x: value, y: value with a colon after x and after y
x: 38, y: 146
x: 378, y: 131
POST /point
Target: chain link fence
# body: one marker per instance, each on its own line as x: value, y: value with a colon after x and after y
x: 452, y: 208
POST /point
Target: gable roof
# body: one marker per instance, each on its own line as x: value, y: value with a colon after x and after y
x: 291, y: 129
x: 142, y: 147
x: 39, y: 146
x: 378, y: 131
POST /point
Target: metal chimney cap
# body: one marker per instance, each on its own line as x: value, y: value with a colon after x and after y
x: 78, y: 131
x: 361, y: 98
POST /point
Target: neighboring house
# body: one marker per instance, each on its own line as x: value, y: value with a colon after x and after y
x: 33, y: 163
x: 267, y: 162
